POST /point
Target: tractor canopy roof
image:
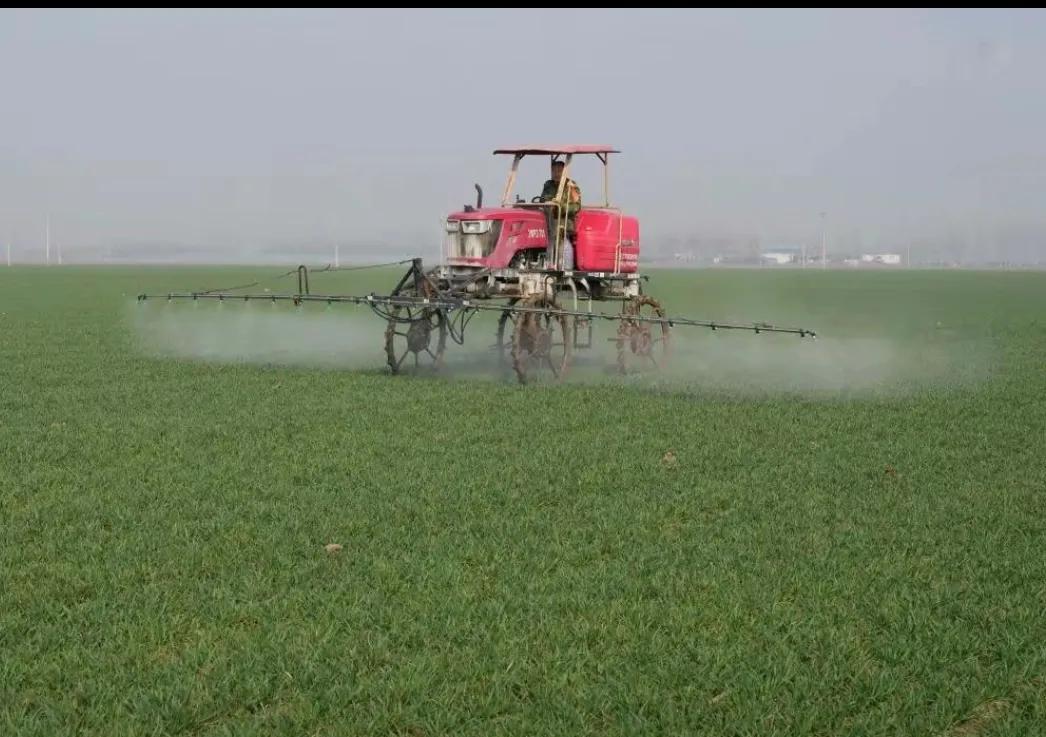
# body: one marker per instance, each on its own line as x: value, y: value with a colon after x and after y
x: 555, y: 150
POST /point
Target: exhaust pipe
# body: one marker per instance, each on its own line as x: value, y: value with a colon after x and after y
x: 479, y: 200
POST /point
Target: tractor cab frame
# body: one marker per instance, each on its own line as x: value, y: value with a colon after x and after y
x: 555, y: 208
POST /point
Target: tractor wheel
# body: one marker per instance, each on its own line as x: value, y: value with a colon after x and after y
x: 504, y: 344
x: 417, y: 330
x: 642, y: 345
x: 541, y: 343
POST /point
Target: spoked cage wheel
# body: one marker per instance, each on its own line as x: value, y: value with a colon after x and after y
x: 506, y: 325
x: 541, y: 343
x: 642, y: 345
x: 415, y: 337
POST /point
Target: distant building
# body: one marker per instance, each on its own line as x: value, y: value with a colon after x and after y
x: 782, y: 255
x: 891, y: 259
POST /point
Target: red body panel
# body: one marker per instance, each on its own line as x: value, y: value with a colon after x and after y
x: 598, y: 234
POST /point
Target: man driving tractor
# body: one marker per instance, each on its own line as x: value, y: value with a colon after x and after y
x: 569, y: 205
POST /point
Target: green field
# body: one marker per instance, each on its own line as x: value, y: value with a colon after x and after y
x: 850, y: 541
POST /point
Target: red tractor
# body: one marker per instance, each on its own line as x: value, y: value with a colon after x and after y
x: 511, y: 259
x: 516, y: 252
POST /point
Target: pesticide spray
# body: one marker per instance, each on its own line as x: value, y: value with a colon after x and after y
x: 341, y: 338
x: 257, y: 333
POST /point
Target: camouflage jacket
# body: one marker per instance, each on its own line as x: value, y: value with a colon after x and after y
x: 571, y: 192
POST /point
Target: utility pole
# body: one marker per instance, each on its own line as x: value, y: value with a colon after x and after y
x: 909, y: 254
x: 47, y: 241
x: 9, y: 251
x: 824, y: 244
x: 337, y: 255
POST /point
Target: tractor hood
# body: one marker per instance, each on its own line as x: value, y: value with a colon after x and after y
x: 487, y: 213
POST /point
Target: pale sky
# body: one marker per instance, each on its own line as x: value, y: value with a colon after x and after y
x: 235, y: 127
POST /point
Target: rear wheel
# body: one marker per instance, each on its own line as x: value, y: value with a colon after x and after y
x: 642, y: 345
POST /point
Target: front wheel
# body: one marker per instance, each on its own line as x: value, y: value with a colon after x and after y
x: 416, y: 335
x: 415, y: 339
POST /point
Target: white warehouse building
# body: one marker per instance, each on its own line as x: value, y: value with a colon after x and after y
x: 892, y: 259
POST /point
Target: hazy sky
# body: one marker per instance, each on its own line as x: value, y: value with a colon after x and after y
x: 237, y: 127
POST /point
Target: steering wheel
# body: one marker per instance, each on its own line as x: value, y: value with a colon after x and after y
x: 536, y: 199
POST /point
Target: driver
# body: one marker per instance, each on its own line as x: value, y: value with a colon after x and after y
x: 570, y: 204
x: 571, y: 192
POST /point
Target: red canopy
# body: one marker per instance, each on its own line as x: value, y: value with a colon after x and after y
x: 549, y: 150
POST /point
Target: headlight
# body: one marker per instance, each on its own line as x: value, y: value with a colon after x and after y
x: 475, y: 226
x: 452, y: 226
